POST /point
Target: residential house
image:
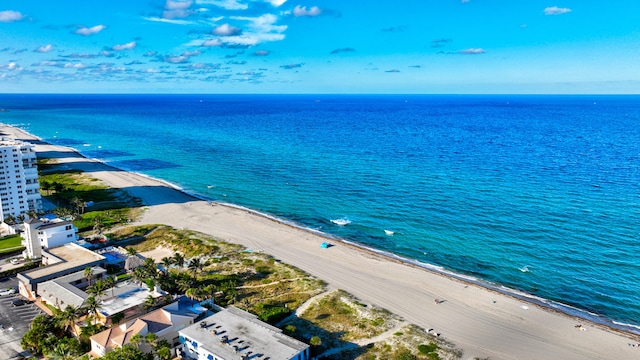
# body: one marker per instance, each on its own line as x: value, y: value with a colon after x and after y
x: 165, y: 323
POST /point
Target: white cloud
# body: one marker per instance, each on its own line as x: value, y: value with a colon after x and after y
x: 276, y: 3
x: 263, y: 24
x: 169, y: 21
x: 177, y: 4
x: 225, y: 4
x: 13, y: 66
x: 177, y: 9
x: 192, y: 53
x: 554, y: 10
x: 302, y: 11
x: 44, y: 48
x: 260, y: 29
x: 173, y: 59
x: 10, y: 16
x: 226, y: 30
x: 212, y: 43
x: 472, y: 51
x: 90, y: 31
x: 127, y: 46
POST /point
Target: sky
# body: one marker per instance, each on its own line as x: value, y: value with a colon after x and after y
x: 335, y: 47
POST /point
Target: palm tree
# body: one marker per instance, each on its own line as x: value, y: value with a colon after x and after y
x: 150, y: 268
x: 79, y: 204
x: 88, y: 273
x: 136, y: 340
x: 139, y: 275
x: 151, y: 339
x: 92, y: 306
x: 97, y: 289
x: 166, y: 263
x: 195, y: 265
x: 97, y: 225
x: 178, y: 259
x: 149, y: 302
x: 131, y: 251
x: 110, y: 283
x: 67, y: 317
x: 62, y: 351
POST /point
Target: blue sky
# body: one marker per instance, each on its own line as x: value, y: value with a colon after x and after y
x: 292, y: 46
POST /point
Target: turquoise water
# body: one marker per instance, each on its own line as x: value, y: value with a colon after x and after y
x: 535, y: 193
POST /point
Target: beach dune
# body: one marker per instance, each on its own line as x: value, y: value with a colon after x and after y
x: 482, y: 322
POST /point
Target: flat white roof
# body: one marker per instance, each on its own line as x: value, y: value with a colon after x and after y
x: 127, y: 295
x: 71, y: 256
x: 233, y: 333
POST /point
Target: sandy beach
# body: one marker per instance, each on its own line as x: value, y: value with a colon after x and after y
x: 481, y: 322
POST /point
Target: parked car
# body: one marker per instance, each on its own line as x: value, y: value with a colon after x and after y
x: 18, y: 302
x: 8, y: 291
x: 16, y: 261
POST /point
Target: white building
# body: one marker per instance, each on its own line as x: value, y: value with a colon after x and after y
x: 233, y: 334
x: 44, y: 234
x: 19, y: 187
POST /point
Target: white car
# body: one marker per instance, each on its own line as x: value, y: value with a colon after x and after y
x: 8, y: 291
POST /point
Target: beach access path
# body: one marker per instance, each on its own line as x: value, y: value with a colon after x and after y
x: 481, y: 322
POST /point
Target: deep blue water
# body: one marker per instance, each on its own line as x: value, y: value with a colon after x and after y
x: 536, y: 193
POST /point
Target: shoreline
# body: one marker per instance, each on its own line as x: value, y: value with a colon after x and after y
x: 548, y: 304
x: 125, y: 179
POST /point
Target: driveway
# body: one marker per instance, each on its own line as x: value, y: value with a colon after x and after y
x: 15, y: 321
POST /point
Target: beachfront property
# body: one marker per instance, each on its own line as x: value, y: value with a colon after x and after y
x: 164, y: 323
x: 42, y: 234
x: 128, y: 298
x: 19, y: 186
x: 233, y: 334
x: 58, y: 261
x: 67, y: 290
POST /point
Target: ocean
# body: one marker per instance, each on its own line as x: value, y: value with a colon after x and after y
x: 536, y: 195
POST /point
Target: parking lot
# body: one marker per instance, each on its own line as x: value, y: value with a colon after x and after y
x: 14, y: 321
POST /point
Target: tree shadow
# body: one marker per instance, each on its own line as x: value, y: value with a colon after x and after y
x: 332, y: 345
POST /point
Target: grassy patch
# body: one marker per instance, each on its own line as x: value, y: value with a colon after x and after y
x: 11, y: 244
x: 70, y: 191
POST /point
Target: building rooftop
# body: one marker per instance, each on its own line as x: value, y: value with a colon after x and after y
x: 125, y: 296
x: 6, y: 141
x: 63, y: 290
x: 154, y: 322
x: 236, y: 334
x: 63, y: 259
x: 53, y: 224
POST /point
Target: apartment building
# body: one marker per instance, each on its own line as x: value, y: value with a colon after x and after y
x: 19, y: 187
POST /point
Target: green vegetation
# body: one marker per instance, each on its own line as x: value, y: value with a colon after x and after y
x: 336, y: 325
x: 71, y: 191
x: 205, y: 268
x: 10, y: 243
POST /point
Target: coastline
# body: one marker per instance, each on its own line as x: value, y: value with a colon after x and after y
x: 512, y: 330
